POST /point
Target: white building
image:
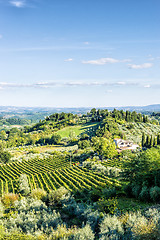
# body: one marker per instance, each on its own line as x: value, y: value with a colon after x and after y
x: 125, y: 145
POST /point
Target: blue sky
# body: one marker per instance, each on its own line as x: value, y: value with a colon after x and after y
x: 79, y: 53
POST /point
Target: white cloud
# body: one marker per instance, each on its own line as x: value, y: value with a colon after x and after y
x: 54, y: 84
x: 103, y: 61
x: 147, y: 86
x: 69, y: 60
x: 140, y: 66
x: 18, y: 4
x: 121, y: 83
x: 86, y: 43
x: 109, y: 91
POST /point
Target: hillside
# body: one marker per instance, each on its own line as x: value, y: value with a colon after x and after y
x: 66, y: 174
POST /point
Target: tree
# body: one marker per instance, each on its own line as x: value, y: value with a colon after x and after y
x: 55, y: 139
x: 155, y: 141
x: 4, y: 155
x: 104, y: 147
x: 143, y: 140
x: 151, y: 141
x: 148, y: 141
x: 3, y: 135
x: 24, y: 188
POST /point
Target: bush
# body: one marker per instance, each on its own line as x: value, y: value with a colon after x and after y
x: 111, y: 228
x: 144, y: 194
x: 1, y: 209
x: 32, y: 217
x: 99, y: 168
x: 9, y: 199
x: 4, y: 156
x: 56, y: 196
x: 155, y: 193
x: 128, y: 189
x: 84, y: 233
x: 38, y: 193
x: 16, y: 235
x: 62, y: 233
x: 109, y: 192
x: 24, y: 188
x: 108, y: 205
x: 84, y: 144
x: 113, y: 171
x: 136, y: 189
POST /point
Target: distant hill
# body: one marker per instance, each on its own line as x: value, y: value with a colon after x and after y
x: 148, y: 108
x: 27, y: 112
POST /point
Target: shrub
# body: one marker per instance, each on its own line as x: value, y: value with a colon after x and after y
x: 32, y: 217
x: 128, y: 189
x: 1, y: 209
x: 155, y: 193
x: 84, y: 233
x: 108, y: 205
x: 38, y: 193
x: 16, y: 235
x: 109, y: 192
x: 24, y: 188
x: 56, y: 196
x: 9, y: 199
x: 84, y: 144
x: 111, y: 228
x: 62, y: 233
x: 144, y: 194
x: 113, y: 171
x: 99, y: 168
x: 136, y: 189
x: 4, y: 156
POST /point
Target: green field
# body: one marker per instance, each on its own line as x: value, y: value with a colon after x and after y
x: 77, y: 130
x: 50, y: 174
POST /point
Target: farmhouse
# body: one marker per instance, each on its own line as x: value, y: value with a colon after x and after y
x: 125, y: 145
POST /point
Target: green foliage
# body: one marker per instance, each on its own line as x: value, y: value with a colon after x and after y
x: 1, y: 209
x: 24, y: 188
x: 56, y: 196
x: 84, y: 144
x: 111, y: 228
x: 144, y: 194
x: 104, y: 147
x: 38, y: 193
x: 9, y: 199
x: 55, y: 139
x: 5, y: 156
x: 108, y: 205
x: 155, y: 193
x: 85, y: 233
x: 62, y: 233
x: 32, y: 216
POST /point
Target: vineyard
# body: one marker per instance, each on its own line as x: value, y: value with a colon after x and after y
x: 50, y: 174
x: 133, y: 131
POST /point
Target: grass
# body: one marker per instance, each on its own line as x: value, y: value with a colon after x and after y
x: 24, y: 151
x: 77, y: 130
x: 131, y: 204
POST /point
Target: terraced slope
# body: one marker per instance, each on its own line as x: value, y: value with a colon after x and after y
x: 50, y: 174
x: 133, y: 131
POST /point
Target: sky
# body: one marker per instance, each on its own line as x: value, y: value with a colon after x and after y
x: 79, y: 53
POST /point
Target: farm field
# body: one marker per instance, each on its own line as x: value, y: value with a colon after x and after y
x: 50, y: 174
x: 133, y: 131
x: 77, y: 130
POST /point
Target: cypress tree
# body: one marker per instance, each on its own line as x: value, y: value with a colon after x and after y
x: 151, y: 141
x: 143, y: 140
x: 148, y: 141
x: 155, y: 141
x: 158, y: 139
